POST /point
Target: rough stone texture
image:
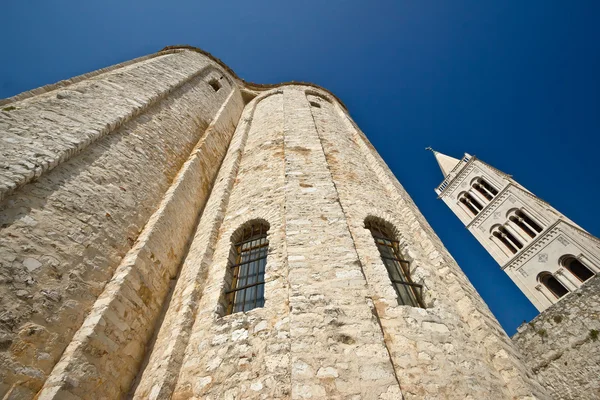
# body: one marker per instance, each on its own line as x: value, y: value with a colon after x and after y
x: 228, y: 355
x: 94, y: 245
x: 428, y: 346
x: 561, y: 345
x: 64, y: 234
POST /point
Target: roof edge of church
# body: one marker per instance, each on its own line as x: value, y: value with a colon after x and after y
x: 166, y: 50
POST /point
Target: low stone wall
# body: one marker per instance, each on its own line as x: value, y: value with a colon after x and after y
x: 562, y: 345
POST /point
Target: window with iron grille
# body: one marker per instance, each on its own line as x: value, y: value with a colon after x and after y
x: 398, y: 268
x: 247, y: 267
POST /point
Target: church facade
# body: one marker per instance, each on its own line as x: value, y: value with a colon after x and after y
x: 170, y: 231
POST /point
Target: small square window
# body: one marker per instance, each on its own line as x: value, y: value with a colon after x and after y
x: 315, y: 104
x: 215, y: 84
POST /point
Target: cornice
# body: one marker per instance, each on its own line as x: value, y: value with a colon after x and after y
x: 525, y: 254
x: 466, y: 167
x: 167, y: 50
x: 550, y: 233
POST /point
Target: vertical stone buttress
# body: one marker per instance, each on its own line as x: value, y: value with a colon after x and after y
x: 331, y: 326
x: 98, y: 203
x: 452, y: 349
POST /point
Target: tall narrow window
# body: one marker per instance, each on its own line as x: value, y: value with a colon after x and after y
x: 528, y: 220
x: 471, y: 203
x: 505, y: 241
x: 521, y: 224
x: 482, y: 191
x: 409, y: 293
x: 247, y: 264
x: 553, y: 285
x: 484, y: 188
x: 468, y: 205
x: 577, y: 268
x: 511, y: 238
x: 488, y: 187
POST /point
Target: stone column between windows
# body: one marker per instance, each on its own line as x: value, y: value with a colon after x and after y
x: 546, y: 293
x: 518, y: 231
x: 514, y: 233
x: 464, y: 207
x: 586, y: 261
x: 522, y: 220
x: 478, y: 196
x: 501, y: 245
x: 567, y: 277
x: 337, y: 347
x: 486, y: 189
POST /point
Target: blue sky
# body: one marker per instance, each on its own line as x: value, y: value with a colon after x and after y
x: 516, y: 83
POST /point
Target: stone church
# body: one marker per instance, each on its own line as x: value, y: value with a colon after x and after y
x: 170, y: 231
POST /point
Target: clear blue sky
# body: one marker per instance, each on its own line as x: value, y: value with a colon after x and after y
x: 516, y: 83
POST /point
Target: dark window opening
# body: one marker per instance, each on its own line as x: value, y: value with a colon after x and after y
x: 489, y: 187
x: 248, y: 270
x: 483, y: 192
x: 508, y: 235
x: 398, y: 268
x: 315, y: 104
x: 577, y: 268
x: 519, y: 222
x: 470, y: 200
x: 215, y: 84
x: 529, y: 221
x: 469, y: 206
x: 552, y: 284
x: 508, y: 245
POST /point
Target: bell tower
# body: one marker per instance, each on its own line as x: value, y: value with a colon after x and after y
x: 547, y: 255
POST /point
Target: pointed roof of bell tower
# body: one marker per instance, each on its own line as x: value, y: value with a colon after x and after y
x: 445, y: 162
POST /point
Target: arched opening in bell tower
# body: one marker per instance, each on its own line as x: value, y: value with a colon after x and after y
x: 576, y: 267
x: 552, y: 284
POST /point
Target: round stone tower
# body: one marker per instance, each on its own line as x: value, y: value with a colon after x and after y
x: 255, y: 246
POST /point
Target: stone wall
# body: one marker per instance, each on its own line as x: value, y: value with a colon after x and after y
x: 331, y: 326
x: 454, y: 348
x: 86, y: 167
x: 561, y: 345
x: 123, y: 193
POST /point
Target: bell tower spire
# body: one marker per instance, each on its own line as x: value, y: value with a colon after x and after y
x: 445, y: 162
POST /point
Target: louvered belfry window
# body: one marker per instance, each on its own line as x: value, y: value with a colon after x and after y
x: 247, y: 287
x: 398, y: 268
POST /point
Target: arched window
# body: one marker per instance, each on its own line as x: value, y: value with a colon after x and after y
x: 469, y: 206
x: 524, y: 223
x: 505, y: 242
x: 552, y: 284
x: 519, y: 222
x: 577, y: 268
x: 484, y: 188
x: 528, y: 220
x: 510, y: 237
x: 471, y: 203
x: 246, y: 269
x: 398, y: 268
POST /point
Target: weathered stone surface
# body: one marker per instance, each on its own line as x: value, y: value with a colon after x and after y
x: 561, y: 344
x: 104, y: 279
x: 64, y: 235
